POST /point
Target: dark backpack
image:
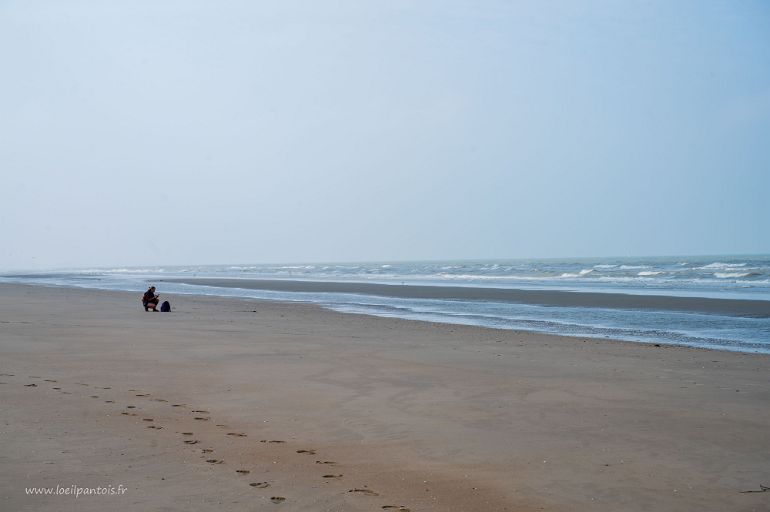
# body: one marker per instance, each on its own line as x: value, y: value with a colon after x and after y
x: 165, y: 307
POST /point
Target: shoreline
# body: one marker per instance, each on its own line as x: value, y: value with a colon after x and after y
x: 180, y: 297
x: 415, y: 415
x: 561, y: 298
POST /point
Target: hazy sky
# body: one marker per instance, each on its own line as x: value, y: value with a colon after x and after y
x: 182, y: 131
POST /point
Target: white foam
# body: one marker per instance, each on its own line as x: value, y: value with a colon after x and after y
x: 476, y: 277
x: 721, y: 266
x: 733, y: 275
x: 649, y: 273
x: 582, y: 273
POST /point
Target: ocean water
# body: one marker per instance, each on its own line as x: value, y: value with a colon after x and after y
x: 725, y: 277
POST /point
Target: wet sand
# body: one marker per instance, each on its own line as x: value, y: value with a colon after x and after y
x: 736, y: 307
x: 245, y: 405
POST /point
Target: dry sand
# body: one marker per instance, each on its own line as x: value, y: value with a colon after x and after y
x: 412, y: 415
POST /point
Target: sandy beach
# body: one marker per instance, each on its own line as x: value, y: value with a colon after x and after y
x: 245, y: 405
x: 737, y: 307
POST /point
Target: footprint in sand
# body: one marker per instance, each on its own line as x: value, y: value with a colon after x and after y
x: 332, y: 476
x: 177, y: 405
x: 191, y: 441
x: 214, y: 461
x: 66, y: 393
x: 34, y: 377
x: 124, y: 413
x: 330, y: 463
x: 94, y: 396
x: 260, y: 485
x: 398, y: 508
x: 49, y: 380
x: 186, y: 433
x: 81, y: 384
x: 109, y: 401
x: 130, y: 407
x: 266, y: 441
x: 159, y: 400
x: 277, y: 499
x: 309, y: 452
x: 207, y: 450
x: 33, y: 385
x: 142, y: 395
x: 236, y: 434
x: 242, y: 471
x: 368, y: 492
x: 200, y: 411
x: 156, y: 427
x: 147, y: 419
x: 57, y: 389
x: 6, y: 375
x: 107, y: 388
x: 201, y: 418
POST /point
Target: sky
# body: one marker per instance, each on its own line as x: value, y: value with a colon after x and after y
x: 151, y: 132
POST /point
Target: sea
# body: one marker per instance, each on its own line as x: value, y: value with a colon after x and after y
x: 721, y: 277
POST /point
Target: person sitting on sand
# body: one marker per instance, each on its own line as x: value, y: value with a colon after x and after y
x: 150, y: 299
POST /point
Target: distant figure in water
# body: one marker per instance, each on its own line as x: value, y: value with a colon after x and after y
x: 150, y: 299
